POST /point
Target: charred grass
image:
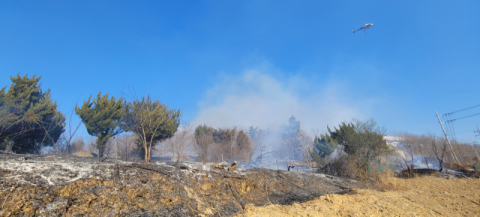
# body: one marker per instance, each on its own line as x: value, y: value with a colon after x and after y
x: 155, y: 189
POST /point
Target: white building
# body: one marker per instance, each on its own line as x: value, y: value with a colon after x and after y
x: 393, y: 140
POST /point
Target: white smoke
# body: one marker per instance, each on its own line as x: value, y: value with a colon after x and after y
x: 256, y: 98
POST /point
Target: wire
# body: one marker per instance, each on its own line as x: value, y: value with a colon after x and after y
x: 467, y: 132
x: 453, y: 128
x: 462, y: 109
x: 454, y: 133
x: 449, y: 128
x: 462, y: 117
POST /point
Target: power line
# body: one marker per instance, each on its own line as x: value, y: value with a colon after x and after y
x: 468, y: 131
x: 453, y: 129
x: 462, y: 117
x: 449, y: 129
x: 462, y: 110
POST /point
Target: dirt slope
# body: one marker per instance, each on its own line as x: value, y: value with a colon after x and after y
x: 73, y: 186
x: 423, y: 196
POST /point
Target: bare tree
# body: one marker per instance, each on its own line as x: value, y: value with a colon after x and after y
x: 409, y: 148
x: 203, y: 142
x: 180, y: 142
x: 78, y: 144
x: 92, y: 145
x: 466, y: 154
x: 50, y: 127
x: 223, y: 144
x: 65, y: 140
x: 263, y: 156
x: 306, y: 144
x: 71, y: 130
x: 439, y: 150
x: 125, y: 146
x: 423, y: 149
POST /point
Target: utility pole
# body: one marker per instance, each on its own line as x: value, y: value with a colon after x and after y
x: 448, y: 140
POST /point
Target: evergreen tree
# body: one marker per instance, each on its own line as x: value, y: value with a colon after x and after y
x: 102, y: 118
x: 290, y: 139
x: 28, y: 118
x: 152, y: 122
x: 323, y: 146
x: 362, y: 141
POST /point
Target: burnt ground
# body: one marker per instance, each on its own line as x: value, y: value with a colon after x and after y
x: 53, y: 185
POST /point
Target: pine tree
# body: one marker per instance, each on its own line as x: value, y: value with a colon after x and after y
x: 152, y: 122
x: 102, y: 118
x: 290, y: 139
x: 29, y: 118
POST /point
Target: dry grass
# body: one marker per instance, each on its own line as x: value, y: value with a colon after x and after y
x: 427, y: 195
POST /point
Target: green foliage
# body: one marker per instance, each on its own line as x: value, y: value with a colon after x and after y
x: 366, y: 145
x: 203, y: 131
x: 323, y: 147
x: 362, y: 141
x: 28, y: 117
x: 102, y: 118
x: 151, y: 122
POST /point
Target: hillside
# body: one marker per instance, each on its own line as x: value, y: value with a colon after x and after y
x: 67, y: 185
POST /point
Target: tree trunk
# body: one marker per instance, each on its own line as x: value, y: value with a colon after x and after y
x: 150, y: 153
x: 146, y: 152
x: 100, y: 153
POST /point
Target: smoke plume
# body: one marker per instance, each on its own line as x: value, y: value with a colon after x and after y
x: 255, y: 98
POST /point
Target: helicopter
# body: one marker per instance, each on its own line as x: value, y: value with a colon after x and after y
x: 364, y: 27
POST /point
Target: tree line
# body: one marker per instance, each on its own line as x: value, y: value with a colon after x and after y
x: 30, y: 121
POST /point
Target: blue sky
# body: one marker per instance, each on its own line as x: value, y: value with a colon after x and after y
x: 247, y: 63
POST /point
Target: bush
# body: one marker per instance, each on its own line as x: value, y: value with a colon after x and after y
x: 364, y: 147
